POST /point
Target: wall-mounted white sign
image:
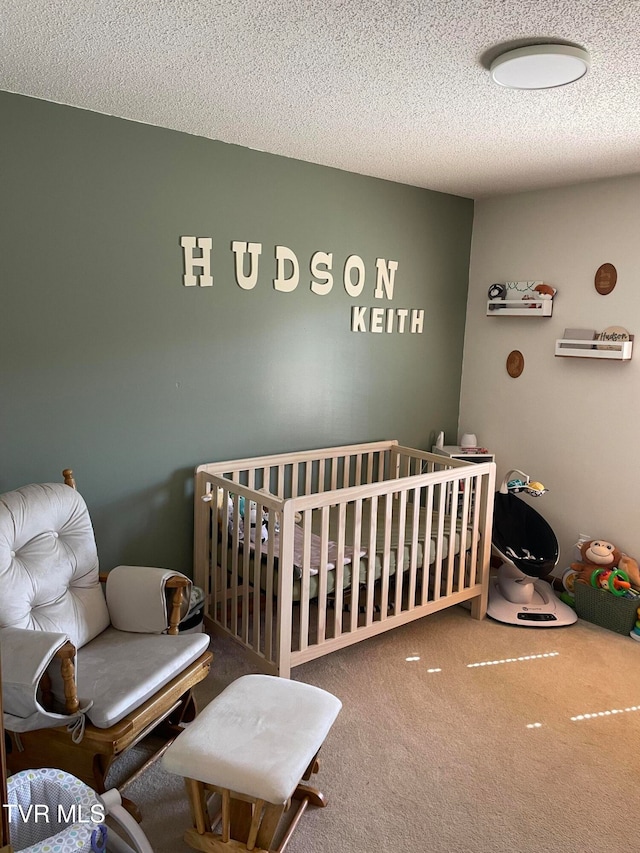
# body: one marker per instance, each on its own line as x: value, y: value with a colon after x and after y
x: 352, y: 276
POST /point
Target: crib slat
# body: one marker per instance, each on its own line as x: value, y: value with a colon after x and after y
x: 371, y: 559
x: 358, y: 474
x: 339, y: 570
x: 225, y: 569
x: 233, y: 603
x: 413, y: 567
x: 370, y: 467
x: 305, y: 581
x: 223, y: 575
x: 477, y: 508
x: 386, y: 556
x: 291, y: 474
x: 215, y: 574
x: 427, y: 537
x: 346, y: 472
x: 284, y: 618
x: 437, y: 567
x: 400, y: 567
x: 481, y: 568
x: 256, y: 585
x: 452, y: 516
x: 322, y: 575
x: 355, y: 567
x: 468, y: 493
x: 246, y: 562
x: 269, y: 596
x: 321, y: 475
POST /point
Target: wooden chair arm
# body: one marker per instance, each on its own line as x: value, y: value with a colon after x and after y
x: 66, y: 655
x: 178, y: 584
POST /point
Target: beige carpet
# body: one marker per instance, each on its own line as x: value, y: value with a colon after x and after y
x: 438, y: 754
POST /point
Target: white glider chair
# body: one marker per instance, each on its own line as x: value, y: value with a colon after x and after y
x: 87, y: 671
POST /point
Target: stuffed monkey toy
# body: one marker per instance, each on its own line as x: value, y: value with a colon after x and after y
x: 600, y: 554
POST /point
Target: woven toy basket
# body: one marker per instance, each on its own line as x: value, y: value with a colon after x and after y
x: 601, y: 607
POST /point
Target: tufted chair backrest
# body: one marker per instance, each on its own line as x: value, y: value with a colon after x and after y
x: 49, y: 563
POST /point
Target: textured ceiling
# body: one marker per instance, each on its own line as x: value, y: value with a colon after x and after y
x: 398, y: 89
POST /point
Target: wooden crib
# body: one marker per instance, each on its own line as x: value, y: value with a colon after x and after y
x: 348, y: 542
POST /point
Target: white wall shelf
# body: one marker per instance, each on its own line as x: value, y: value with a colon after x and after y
x: 454, y: 451
x: 519, y: 307
x: 619, y: 351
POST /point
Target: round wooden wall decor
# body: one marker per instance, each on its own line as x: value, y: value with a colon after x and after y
x: 515, y: 363
x: 606, y: 278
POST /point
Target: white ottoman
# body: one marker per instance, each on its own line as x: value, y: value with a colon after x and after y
x: 253, y: 744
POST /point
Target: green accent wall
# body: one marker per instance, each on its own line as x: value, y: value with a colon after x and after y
x: 110, y: 366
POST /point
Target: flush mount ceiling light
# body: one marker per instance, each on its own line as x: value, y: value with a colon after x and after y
x: 540, y: 66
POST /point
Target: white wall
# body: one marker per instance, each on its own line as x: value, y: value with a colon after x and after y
x: 572, y: 423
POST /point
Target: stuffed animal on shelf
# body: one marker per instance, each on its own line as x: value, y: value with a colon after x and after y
x: 600, y: 554
x: 545, y: 291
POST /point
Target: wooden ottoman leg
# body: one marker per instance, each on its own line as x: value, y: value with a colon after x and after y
x: 269, y: 825
x: 198, y: 805
x: 313, y: 767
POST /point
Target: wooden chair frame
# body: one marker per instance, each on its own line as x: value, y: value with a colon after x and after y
x: 91, y: 759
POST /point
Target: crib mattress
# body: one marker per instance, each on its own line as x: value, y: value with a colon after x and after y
x: 363, y: 562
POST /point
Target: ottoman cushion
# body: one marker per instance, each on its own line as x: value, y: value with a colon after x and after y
x: 256, y: 738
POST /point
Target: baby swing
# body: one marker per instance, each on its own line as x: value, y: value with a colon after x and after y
x: 528, y: 549
x: 50, y: 810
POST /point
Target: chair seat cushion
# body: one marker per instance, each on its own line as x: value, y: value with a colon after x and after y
x: 120, y: 670
x: 256, y: 738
